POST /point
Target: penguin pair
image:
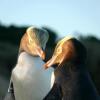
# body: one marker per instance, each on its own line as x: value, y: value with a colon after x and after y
x: 68, y: 81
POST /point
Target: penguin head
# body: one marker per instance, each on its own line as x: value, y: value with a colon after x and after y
x: 34, y: 41
x: 68, y: 49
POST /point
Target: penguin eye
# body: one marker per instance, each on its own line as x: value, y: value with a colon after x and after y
x: 30, y: 40
x: 59, y: 50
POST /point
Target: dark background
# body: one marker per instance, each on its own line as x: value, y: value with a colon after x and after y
x: 9, y: 43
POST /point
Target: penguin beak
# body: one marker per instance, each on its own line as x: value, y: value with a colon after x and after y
x: 49, y: 63
x: 41, y: 53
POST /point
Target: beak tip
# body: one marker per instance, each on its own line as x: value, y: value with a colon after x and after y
x: 40, y: 53
x: 45, y: 66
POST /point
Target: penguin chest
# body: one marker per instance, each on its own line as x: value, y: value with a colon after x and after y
x: 31, y: 81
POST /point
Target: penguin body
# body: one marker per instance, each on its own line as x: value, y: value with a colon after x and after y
x: 29, y: 78
x: 71, y: 75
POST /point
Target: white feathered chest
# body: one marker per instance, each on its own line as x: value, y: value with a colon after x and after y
x: 31, y: 81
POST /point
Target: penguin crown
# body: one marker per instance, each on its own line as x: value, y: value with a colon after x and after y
x: 38, y: 34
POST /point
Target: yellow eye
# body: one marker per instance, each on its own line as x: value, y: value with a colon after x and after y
x: 30, y: 41
x: 59, y: 50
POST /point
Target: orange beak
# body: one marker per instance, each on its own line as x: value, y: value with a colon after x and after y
x: 49, y: 63
x: 41, y: 53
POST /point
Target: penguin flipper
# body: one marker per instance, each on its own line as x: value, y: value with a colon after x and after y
x: 10, y: 93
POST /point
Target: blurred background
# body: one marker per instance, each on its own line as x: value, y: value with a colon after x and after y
x: 80, y: 18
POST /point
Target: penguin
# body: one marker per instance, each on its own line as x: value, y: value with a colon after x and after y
x: 29, y: 80
x: 70, y: 74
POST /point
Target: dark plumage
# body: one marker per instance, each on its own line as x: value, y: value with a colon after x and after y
x: 71, y: 74
x: 55, y: 93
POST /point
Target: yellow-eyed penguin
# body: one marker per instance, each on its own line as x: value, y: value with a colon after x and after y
x: 71, y: 76
x: 30, y: 80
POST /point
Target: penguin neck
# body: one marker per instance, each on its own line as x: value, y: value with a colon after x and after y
x: 69, y: 69
x: 23, y: 53
x: 27, y: 59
